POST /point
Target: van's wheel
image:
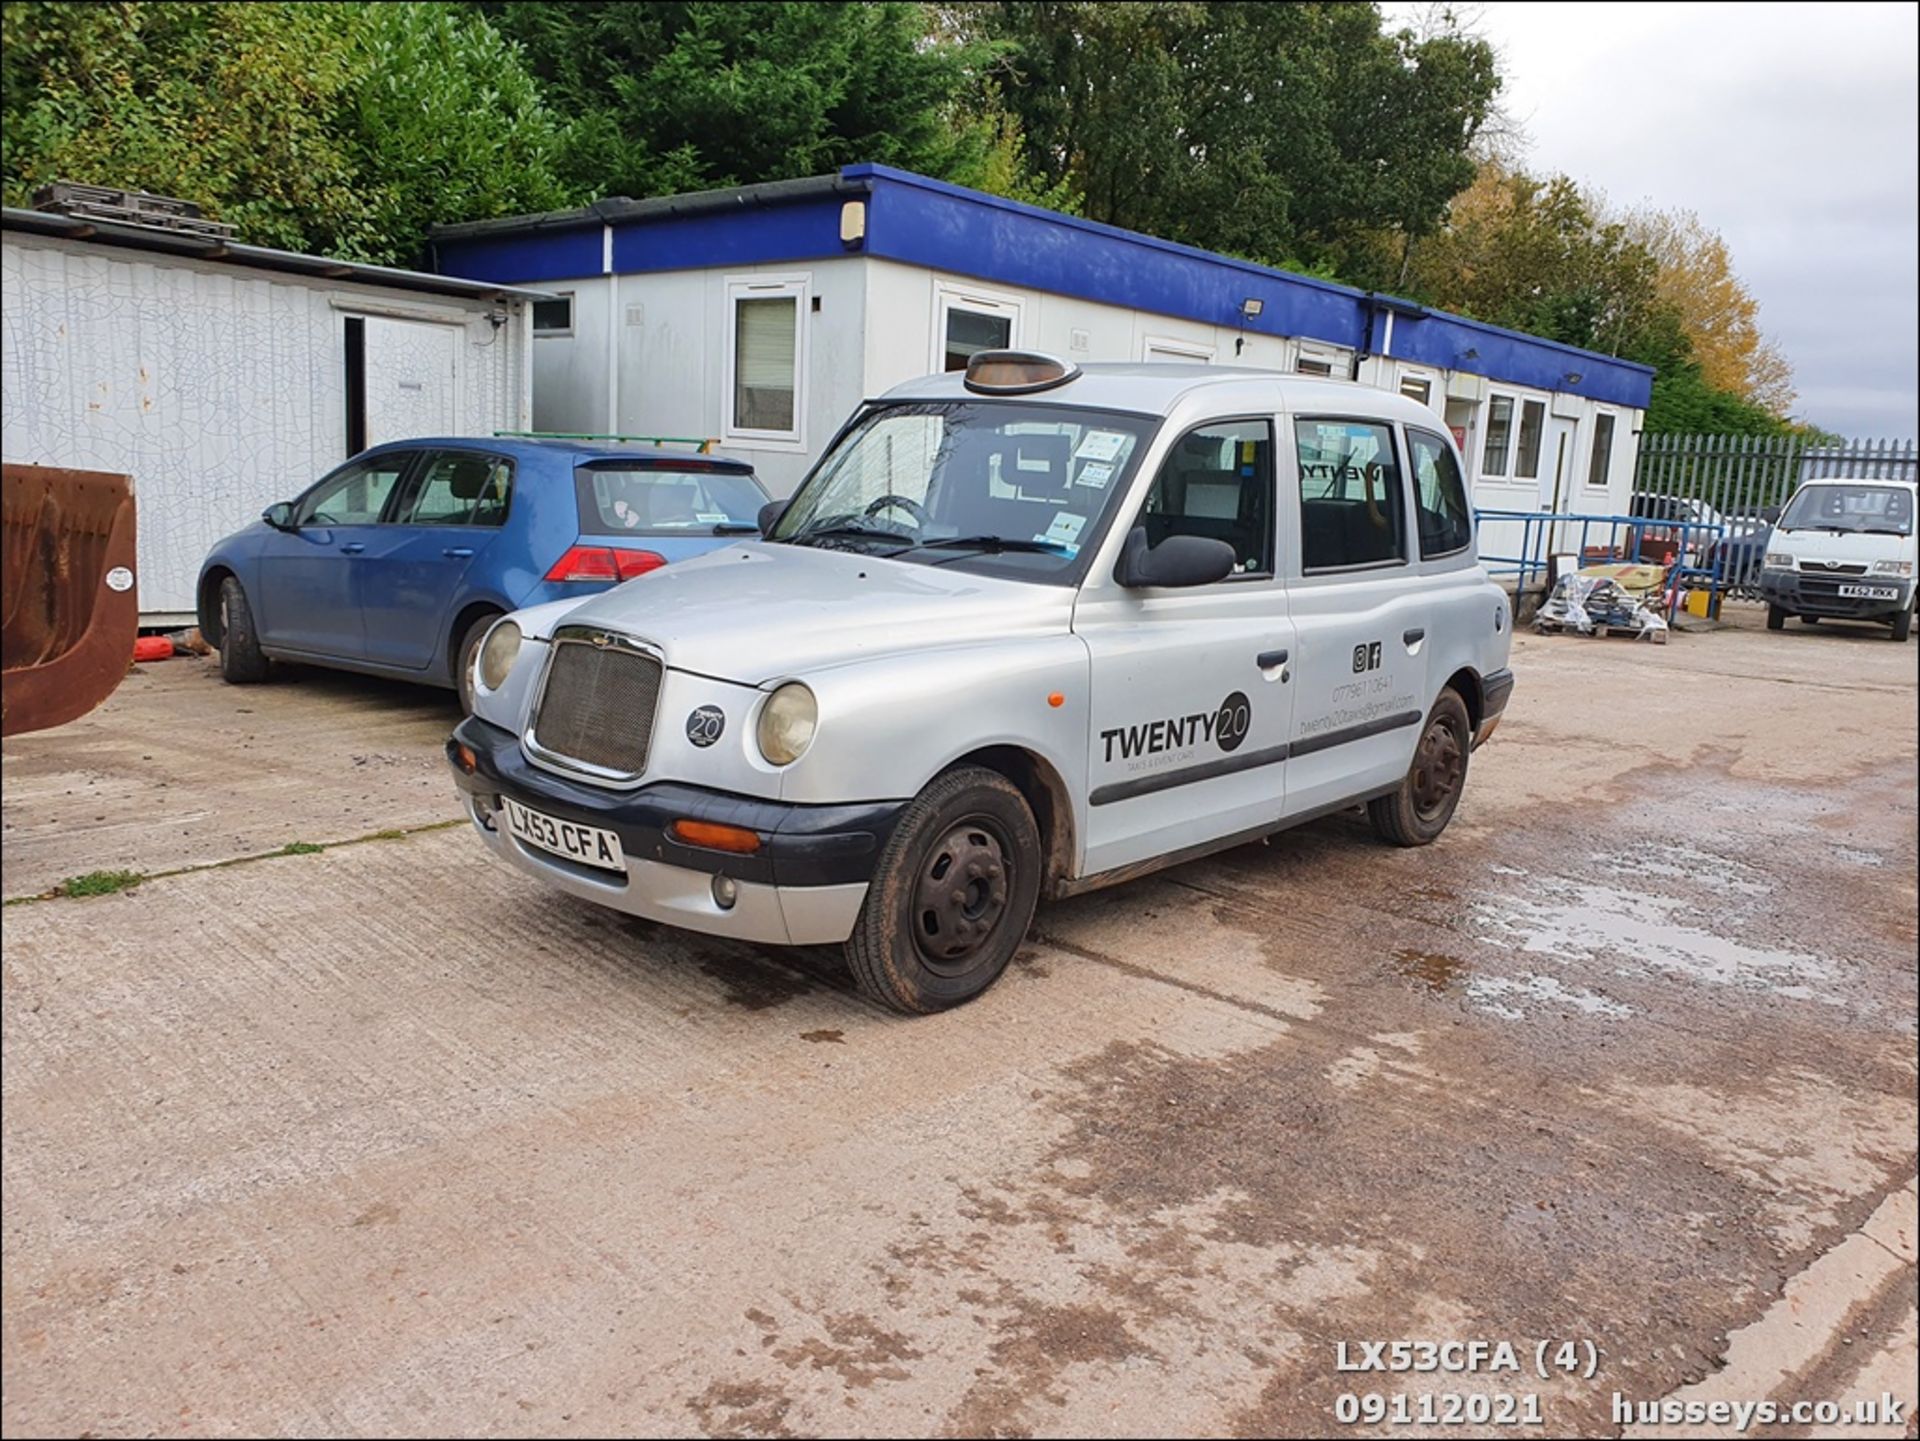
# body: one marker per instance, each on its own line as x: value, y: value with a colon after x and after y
x: 1809, y: 620
x: 952, y: 896
x: 242, y: 662
x: 463, y: 658
x: 1903, y: 624
x: 1415, y: 814
x: 1776, y: 617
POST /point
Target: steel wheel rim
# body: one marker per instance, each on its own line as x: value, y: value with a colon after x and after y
x: 961, y: 895
x: 1438, y: 766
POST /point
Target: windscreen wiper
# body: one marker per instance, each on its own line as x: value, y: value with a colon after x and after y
x: 851, y: 530
x: 993, y: 544
x: 736, y: 527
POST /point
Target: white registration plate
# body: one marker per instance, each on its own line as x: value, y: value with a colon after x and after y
x: 1869, y: 592
x: 587, y: 845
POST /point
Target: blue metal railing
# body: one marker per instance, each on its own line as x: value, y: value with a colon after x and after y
x: 1546, y: 534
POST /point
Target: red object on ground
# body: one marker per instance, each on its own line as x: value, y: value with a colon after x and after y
x: 152, y: 647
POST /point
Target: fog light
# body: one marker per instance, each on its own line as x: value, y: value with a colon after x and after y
x: 725, y: 892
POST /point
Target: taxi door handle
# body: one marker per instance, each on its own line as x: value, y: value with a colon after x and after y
x: 458, y: 552
x: 351, y: 547
x: 1414, y: 636
x: 1268, y: 659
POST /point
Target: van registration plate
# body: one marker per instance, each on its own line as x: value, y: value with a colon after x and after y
x: 1869, y: 592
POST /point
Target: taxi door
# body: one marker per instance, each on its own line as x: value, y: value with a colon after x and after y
x: 1359, y: 609
x: 1191, y: 687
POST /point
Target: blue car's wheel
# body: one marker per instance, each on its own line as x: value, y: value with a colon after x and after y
x: 241, y: 660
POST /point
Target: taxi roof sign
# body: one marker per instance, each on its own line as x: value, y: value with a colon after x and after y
x: 1016, y: 372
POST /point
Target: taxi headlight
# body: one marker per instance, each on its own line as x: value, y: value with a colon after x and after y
x: 498, y: 652
x: 786, y: 723
x: 1777, y: 560
x: 1893, y: 567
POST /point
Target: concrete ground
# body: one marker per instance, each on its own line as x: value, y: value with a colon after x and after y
x: 387, y: 1139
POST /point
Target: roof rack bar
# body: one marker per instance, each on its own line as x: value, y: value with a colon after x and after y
x: 703, y: 446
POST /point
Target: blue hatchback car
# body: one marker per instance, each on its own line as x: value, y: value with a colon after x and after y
x: 397, y: 562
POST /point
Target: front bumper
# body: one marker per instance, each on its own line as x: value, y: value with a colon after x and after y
x: 804, y: 886
x: 1813, y: 593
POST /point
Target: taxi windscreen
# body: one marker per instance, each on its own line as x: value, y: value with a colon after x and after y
x: 1025, y: 484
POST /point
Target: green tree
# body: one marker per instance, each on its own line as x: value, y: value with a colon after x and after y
x: 446, y: 123
x: 343, y: 128
x: 672, y: 97
x: 1280, y: 132
x: 229, y: 105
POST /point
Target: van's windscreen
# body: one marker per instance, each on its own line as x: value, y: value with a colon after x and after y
x: 619, y: 499
x: 1869, y: 509
x: 1017, y: 485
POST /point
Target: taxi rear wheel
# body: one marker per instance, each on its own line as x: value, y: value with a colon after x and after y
x: 1416, y: 813
x: 952, y: 896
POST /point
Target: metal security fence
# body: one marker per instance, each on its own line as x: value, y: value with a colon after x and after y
x: 1740, y: 482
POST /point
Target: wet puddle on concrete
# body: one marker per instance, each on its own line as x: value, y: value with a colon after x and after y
x: 1568, y: 921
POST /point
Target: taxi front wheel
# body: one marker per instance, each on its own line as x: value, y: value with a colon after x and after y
x: 952, y: 896
x: 1415, y: 814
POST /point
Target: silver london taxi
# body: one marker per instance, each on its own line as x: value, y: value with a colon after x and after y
x: 1022, y: 632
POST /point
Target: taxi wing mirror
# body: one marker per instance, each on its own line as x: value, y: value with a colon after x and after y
x: 770, y: 514
x: 279, y: 515
x: 1179, y: 560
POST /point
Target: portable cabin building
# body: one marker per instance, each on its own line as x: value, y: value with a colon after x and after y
x: 762, y: 315
x: 223, y: 377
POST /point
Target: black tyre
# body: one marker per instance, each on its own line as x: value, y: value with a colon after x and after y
x: 1776, y: 617
x: 463, y: 658
x: 242, y: 662
x: 1415, y: 814
x: 1903, y: 625
x: 952, y: 896
x: 1809, y: 620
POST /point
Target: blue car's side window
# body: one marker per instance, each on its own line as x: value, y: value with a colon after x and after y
x: 459, y: 488
x: 354, y: 494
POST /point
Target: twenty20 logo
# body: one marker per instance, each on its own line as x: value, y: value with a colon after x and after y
x: 1366, y: 657
x: 1226, y: 727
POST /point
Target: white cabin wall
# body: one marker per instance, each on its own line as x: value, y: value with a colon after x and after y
x: 219, y: 389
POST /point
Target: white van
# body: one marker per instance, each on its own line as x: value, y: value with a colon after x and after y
x: 1844, y: 549
x: 1022, y: 632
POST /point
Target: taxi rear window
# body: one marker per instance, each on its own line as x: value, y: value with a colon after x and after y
x: 621, y: 499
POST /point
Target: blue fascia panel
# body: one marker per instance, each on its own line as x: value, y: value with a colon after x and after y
x: 1443, y: 341
x: 942, y: 227
x: 762, y: 235
x: 569, y: 254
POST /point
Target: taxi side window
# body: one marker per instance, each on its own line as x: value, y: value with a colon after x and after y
x: 1217, y: 482
x: 1446, y: 524
x: 1352, y: 505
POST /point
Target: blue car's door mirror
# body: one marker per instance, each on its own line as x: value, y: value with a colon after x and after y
x: 279, y: 515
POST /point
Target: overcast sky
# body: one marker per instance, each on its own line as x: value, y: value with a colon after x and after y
x: 1790, y: 128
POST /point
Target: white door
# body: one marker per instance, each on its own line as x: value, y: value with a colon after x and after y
x: 412, y: 379
x: 1191, y: 692
x: 1359, y: 614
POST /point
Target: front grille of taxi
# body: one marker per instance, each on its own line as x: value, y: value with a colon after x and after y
x: 596, y: 706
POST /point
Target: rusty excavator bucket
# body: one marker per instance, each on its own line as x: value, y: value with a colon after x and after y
x: 69, y: 612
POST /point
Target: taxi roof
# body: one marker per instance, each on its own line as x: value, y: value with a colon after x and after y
x: 1158, y: 388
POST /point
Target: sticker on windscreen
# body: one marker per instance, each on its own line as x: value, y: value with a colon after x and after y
x: 1065, y: 531
x: 1095, y: 473
x: 1102, y: 445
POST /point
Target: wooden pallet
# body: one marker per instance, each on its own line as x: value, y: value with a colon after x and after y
x: 1554, y: 627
